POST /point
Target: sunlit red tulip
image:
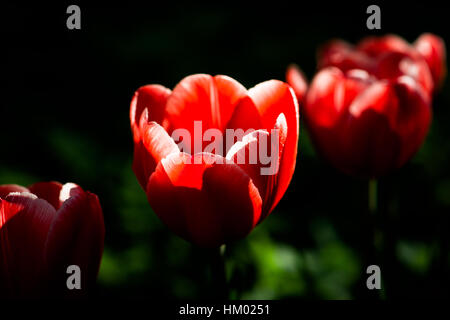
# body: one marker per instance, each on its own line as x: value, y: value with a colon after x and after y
x: 44, y: 229
x: 208, y: 196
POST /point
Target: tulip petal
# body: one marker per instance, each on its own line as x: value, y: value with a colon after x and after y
x: 79, y: 226
x: 342, y: 55
x: 376, y: 46
x: 394, y: 64
x: 204, y: 198
x: 150, y: 97
x: 8, y: 188
x: 325, y: 100
x: 49, y: 191
x: 331, y: 93
x: 202, y: 97
x: 155, y: 144
x: 414, y: 116
x: 297, y: 80
x: 273, y: 98
x: 247, y: 155
x: 24, y: 224
x: 245, y: 117
x: 432, y: 48
x: 368, y: 143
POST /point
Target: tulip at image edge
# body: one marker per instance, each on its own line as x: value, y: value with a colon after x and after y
x: 44, y: 229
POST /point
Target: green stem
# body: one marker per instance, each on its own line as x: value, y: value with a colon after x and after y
x: 373, y: 196
x: 377, y: 234
x: 219, y: 276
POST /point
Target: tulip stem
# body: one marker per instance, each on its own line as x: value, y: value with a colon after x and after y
x: 373, y: 195
x: 373, y: 209
x: 377, y: 233
x: 219, y: 276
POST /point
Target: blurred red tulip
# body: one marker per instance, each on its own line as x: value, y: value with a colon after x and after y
x: 369, y: 108
x: 364, y: 126
x: 210, y: 198
x: 44, y: 229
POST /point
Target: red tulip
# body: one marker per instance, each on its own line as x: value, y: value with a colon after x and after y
x: 210, y: 196
x: 369, y: 108
x: 366, y: 126
x: 44, y: 229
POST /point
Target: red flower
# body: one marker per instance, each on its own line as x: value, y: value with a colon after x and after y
x: 365, y: 126
x: 368, y: 109
x: 208, y: 196
x: 44, y: 229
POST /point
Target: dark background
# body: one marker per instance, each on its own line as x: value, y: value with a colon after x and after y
x: 64, y: 116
